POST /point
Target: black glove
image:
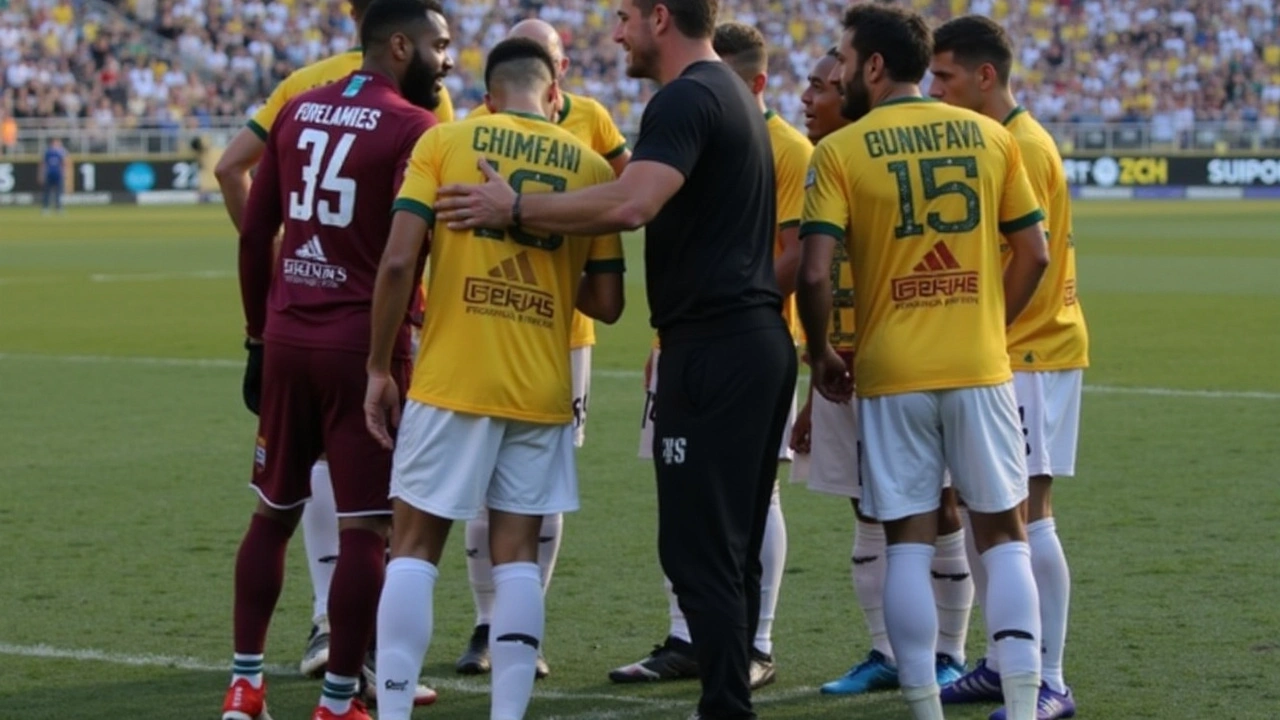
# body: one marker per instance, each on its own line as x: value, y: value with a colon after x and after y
x: 253, y: 376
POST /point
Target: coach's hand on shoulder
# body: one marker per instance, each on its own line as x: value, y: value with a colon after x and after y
x: 382, y: 408
x: 831, y: 376
x: 252, y: 385
x: 466, y: 207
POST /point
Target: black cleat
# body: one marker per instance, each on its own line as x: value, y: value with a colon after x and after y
x: 475, y: 660
x: 672, y: 660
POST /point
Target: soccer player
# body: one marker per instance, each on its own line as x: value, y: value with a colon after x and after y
x: 53, y: 175
x: 700, y: 181
x: 488, y: 423
x: 589, y: 121
x: 921, y: 192
x: 743, y: 48
x: 329, y: 173
x: 319, y: 518
x: 1048, y: 343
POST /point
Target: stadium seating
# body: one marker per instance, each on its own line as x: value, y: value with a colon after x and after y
x: 161, y: 63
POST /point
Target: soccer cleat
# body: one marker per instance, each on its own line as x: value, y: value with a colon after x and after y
x: 672, y: 660
x: 316, y: 657
x: 949, y: 670
x: 541, y: 668
x: 357, y: 711
x: 981, y: 684
x: 475, y: 660
x: 874, y: 673
x: 762, y: 671
x: 1050, y: 705
x: 245, y: 702
x: 368, y: 687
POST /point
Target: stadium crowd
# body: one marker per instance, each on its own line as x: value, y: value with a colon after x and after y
x: 162, y: 63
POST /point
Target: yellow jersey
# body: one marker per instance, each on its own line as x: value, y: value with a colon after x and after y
x: 589, y: 121
x: 495, y: 338
x: 925, y: 191
x: 322, y: 72
x: 791, y: 154
x: 1050, y: 334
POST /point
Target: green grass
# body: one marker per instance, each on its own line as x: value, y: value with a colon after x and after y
x: 124, y: 492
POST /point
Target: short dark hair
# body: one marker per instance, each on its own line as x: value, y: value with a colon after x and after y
x: 898, y: 35
x: 385, y: 18
x: 359, y: 8
x: 975, y: 40
x: 693, y: 18
x: 743, y: 47
x: 519, y: 61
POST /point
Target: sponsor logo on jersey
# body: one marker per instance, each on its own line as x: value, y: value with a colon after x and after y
x: 311, y: 267
x: 510, y: 291
x: 936, y: 280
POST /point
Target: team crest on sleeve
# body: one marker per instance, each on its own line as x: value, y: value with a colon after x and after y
x: 811, y: 178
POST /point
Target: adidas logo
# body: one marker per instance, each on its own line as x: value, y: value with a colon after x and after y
x: 515, y: 269
x: 312, y: 250
x: 939, y: 258
x: 936, y: 280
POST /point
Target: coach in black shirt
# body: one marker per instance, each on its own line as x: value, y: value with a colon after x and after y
x: 701, y: 183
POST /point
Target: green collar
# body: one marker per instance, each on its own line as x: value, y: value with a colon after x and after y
x: 564, y: 107
x: 769, y: 115
x: 1015, y: 112
x: 526, y: 115
x: 904, y: 100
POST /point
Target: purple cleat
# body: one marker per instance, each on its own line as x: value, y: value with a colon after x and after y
x: 1050, y: 705
x: 981, y: 684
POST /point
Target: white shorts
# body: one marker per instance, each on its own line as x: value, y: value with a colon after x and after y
x: 1049, y: 405
x: 645, y: 452
x: 453, y: 465
x: 580, y: 360
x: 910, y: 440
x: 831, y: 466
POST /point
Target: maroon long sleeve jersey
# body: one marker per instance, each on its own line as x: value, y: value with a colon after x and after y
x: 333, y: 164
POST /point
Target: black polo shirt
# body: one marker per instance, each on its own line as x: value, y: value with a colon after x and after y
x: 709, y: 252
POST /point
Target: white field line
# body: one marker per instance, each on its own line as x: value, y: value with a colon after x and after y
x: 160, y: 276
x: 600, y: 373
x: 188, y: 663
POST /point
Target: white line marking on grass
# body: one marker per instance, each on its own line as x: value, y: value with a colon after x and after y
x: 49, y: 652
x: 601, y: 373
x: 152, y: 277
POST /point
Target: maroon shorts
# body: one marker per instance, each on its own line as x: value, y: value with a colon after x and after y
x: 313, y: 403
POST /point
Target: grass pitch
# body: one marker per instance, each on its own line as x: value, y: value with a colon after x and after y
x: 124, y: 453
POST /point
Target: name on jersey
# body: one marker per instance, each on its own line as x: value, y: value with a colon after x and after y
x: 531, y: 149
x: 354, y: 117
x: 927, y: 138
x: 937, y: 280
x: 510, y: 292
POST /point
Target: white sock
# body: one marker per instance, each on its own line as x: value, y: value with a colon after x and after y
x: 1053, y: 581
x: 549, y: 538
x: 868, y: 566
x: 405, y: 618
x: 514, y: 638
x: 320, y: 536
x: 1021, y: 693
x: 480, y: 567
x: 978, y: 571
x: 247, y: 667
x: 773, y: 558
x: 925, y: 702
x: 953, y: 592
x: 338, y: 692
x: 679, y: 626
x: 1013, y: 610
x: 910, y: 613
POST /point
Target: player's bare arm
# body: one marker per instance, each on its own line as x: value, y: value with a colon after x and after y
x: 232, y: 172
x: 391, y: 293
x: 1021, y: 278
x: 787, y: 264
x: 627, y: 203
x: 619, y: 162
x: 601, y: 296
x: 831, y: 376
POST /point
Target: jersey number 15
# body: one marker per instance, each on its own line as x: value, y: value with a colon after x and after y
x: 303, y: 206
x: 933, y: 190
